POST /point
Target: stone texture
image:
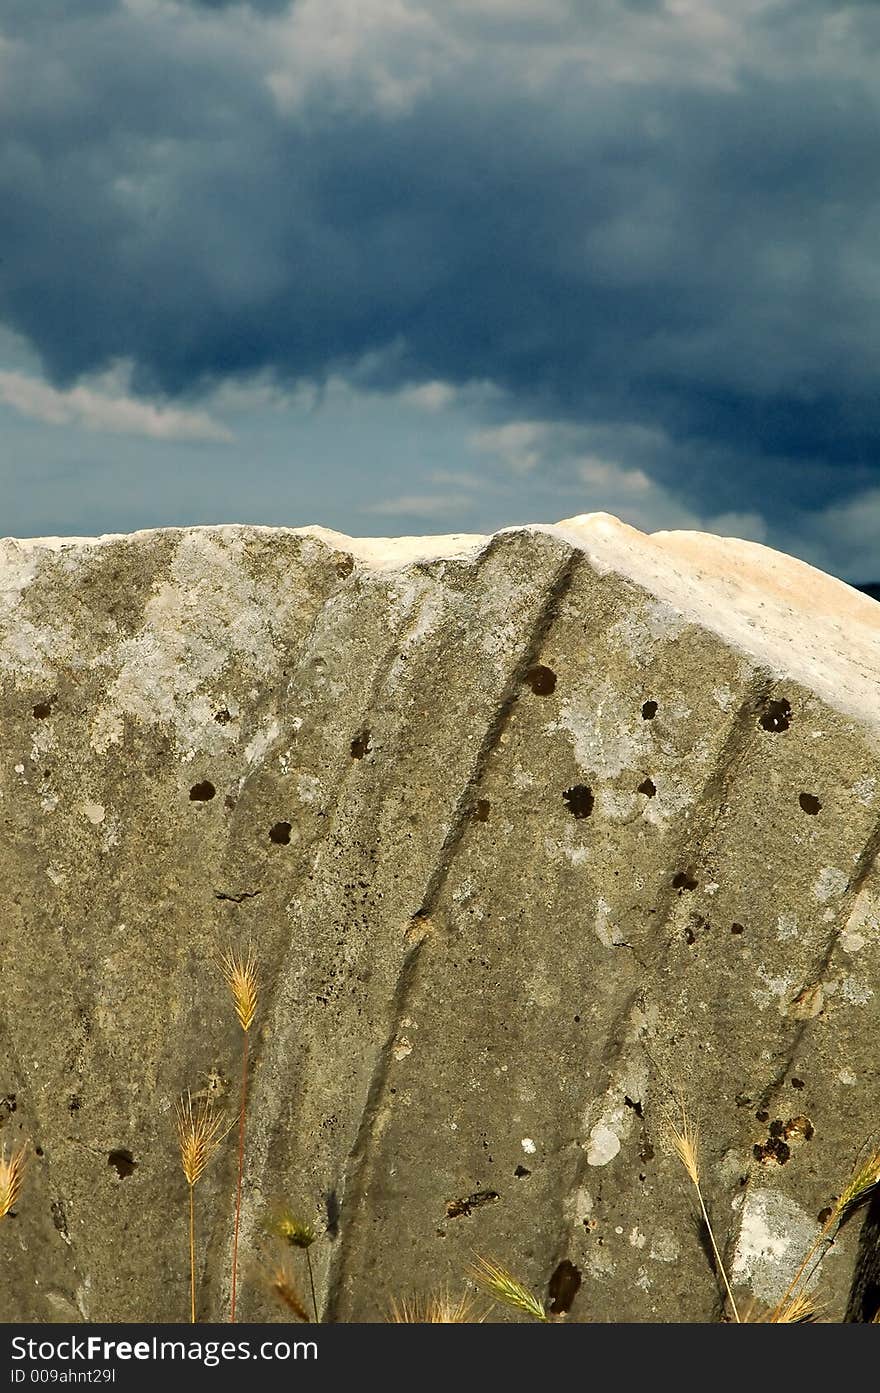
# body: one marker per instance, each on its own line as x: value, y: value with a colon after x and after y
x: 527, y: 830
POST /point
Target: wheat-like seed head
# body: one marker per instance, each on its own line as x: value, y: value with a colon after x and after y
x: 861, y: 1183
x: 799, y: 1309
x: 241, y: 978
x: 294, y: 1230
x: 500, y: 1284
x: 283, y: 1287
x: 686, y: 1144
x: 11, y: 1176
x: 199, y: 1133
x: 436, y: 1310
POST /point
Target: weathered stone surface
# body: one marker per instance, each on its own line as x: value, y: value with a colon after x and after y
x: 525, y: 830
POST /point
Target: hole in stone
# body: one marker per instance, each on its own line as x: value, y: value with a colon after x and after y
x: 777, y: 715
x: 737, y: 929
x: 123, y: 1163
x: 203, y: 792
x: 223, y: 716
x: 42, y: 710
x: 798, y: 1127
x: 682, y: 880
x: 481, y: 810
x: 636, y: 1107
x: 648, y: 787
x: 360, y: 745
x: 280, y: 833
x: 773, y: 1151
x: 74, y: 1105
x: 809, y: 803
x: 824, y: 1215
x: 456, y: 1208
x: 563, y: 1287
x: 649, y: 710
x: 521, y: 1172
x: 580, y: 800
x: 797, y: 1083
x: 542, y: 680
x: 38, y: 1151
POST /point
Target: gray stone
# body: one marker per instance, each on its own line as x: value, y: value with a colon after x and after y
x: 528, y: 831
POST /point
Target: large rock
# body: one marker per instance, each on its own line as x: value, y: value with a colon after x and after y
x: 527, y: 831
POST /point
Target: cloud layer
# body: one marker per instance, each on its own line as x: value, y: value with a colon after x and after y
x: 648, y: 222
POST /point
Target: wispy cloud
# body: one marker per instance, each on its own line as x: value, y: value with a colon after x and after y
x: 419, y: 505
x: 104, y: 408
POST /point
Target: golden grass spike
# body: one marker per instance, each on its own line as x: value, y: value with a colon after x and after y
x: 436, y: 1310
x: 11, y: 1177
x: 282, y: 1285
x: 199, y: 1133
x: 862, y: 1183
x: 500, y: 1284
x: 686, y: 1145
x: 240, y: 974
x: 297, y: 1233
x: 797, y: 1310
x: 293, y: 1229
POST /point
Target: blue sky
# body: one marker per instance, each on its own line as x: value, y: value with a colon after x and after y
x: 399, y: 266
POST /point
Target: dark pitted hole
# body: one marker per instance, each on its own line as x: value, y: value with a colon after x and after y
x: 777, y: 715
x: 636, y: 1107
x: 737, y: 929
x: 38, y: 1151
x: 563, y: 1287
x: 522, y: 1172
x: 360, y: 745
x: 74, y: 1105
x: 203, y: 792
x: 580, y: 800
x: 223, y: 717
x: 123, y: 1163
x: 280, y: 833
x: 542, y: 680
x: 762, y: 1115
x: 774, y: 1149
x: 809, y: 803
x: 824, y: 1215
x: 481, y: 810
x: 344, y: 566
x: 456, y: 1208
x: 649, y: 710
x: 797, y: 1083
x: 683, y: 881
x: 42, y: 710
x: 648, y: 787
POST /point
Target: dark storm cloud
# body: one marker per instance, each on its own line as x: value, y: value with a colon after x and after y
x: 695, y: 256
